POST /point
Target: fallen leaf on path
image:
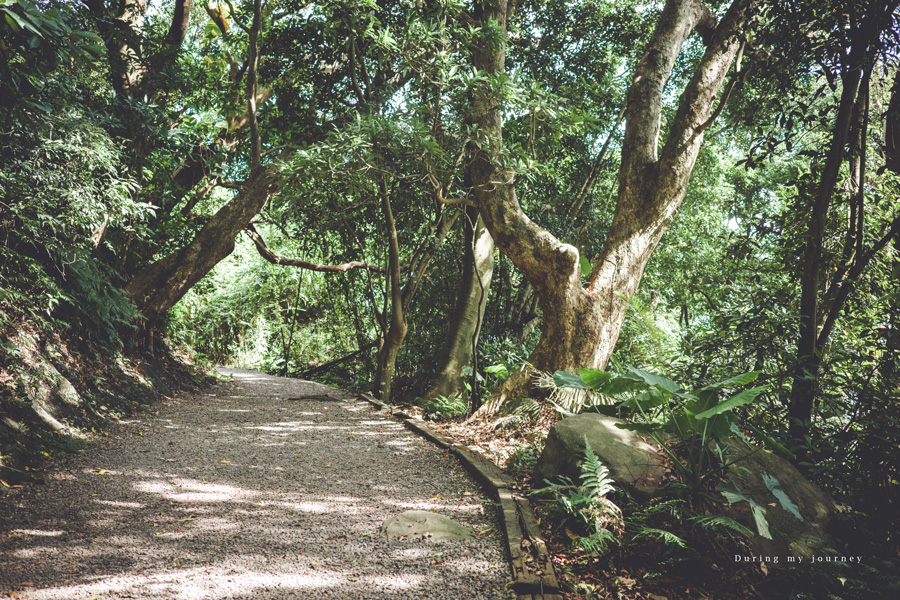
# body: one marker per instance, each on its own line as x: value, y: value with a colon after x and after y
x: 99, y: 471
x: 224, y: 461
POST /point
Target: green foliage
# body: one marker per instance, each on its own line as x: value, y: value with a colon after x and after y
x: 33, y: 44
x: 733, y: 494
x: 63, y: 183
x: 720, y: 523
x: 586, y: 506
x: 443, y: 407
x: 666, y: 412
x: 524, y: 458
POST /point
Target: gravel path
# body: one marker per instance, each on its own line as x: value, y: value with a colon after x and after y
x: 262, y: 488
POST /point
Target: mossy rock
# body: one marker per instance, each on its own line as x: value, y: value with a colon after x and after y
x: 633, y: 463
x: 790, y: 536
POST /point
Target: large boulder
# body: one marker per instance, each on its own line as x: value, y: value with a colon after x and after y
x: 790, y: 536
x: 633, y: 463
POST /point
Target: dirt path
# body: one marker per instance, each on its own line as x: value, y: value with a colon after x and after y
x: 264, y: 488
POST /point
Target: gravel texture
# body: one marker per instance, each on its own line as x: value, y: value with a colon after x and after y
x: 262, y: 488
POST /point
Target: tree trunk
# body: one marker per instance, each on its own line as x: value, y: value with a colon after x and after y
x: 396, y: 333
x: 468, y: 315
x: 158, y: 287
x: 581, y: 324
x: 890, y: 373
x: 809, y: 356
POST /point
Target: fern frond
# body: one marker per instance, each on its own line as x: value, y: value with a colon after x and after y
x: 598, y: 542
x: 666, y: 537
x: 594, y: 474
x: 719, y: 523
x: 674, y: 507
x: 525, y: 407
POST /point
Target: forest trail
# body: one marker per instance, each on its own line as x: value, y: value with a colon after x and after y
x: 259, y: 488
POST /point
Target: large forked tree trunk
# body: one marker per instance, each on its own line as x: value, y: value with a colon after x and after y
x: 134, y: 69
x: 581, y: 323
x: 156, y: 289
x: 465, y: 324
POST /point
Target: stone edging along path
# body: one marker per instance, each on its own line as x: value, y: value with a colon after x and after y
x: 531, y: 565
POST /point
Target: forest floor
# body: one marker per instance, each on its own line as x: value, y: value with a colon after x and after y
x: 259, y: 488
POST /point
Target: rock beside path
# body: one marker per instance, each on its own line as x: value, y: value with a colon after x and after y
x: 424, y: 525
x: 633, y: 463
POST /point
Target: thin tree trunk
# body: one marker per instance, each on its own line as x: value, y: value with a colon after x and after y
x: 468, y: 315
x: 890, y: 373
x: 803, y: 388
x: 397, y: 328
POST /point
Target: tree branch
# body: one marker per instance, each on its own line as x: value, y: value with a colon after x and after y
x: 644, y: 103
x: 846, y: 285
x: 595, y: 168
x: 276, y: 259
x: 252, y: 85
x: 727, y: 94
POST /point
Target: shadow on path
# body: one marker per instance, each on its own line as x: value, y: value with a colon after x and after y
x: 261, y: 488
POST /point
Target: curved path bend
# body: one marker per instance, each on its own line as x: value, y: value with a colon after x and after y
x: 261, y: 488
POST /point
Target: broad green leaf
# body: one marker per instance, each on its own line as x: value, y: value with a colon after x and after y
x: 731, y: 492
x: 595, y: 378
x: 585, y: 265
x: 500, y: 371
x: 719, y: 426
x: 647, y: 400
x: 759, y: 518
x: 736, y: 380
x: 786, y: 503
x: 623, y: 384
x: 563, y: 379
x: 655, y: 379
x: 745, y: 397
x: 736, y: 430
